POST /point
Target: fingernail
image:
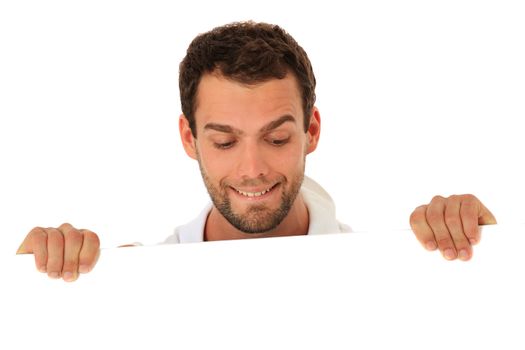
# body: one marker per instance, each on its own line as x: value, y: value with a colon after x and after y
x: 431, y: 245
x: 68, y: 276
x: 83, y: 269
x: 463, y: 254
x: 54, y: 274
x: 473, y: 241
x: 449, y: 254
x: 42, y: 268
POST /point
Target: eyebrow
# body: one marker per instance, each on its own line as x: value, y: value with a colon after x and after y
x: 268, y: 127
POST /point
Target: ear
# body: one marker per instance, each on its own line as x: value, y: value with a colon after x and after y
x: 186, y: 136
x: 314, y: 131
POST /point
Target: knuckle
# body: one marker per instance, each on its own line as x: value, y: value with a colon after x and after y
x: 470, y: 198
x: 53, y: 231
x: 416, y: 217
x: 36, y: 230
x: 92, y: 238
x: 73, y: 235
x: 56, y: 240
x: 37, y: 233
x: 39, y: 241
x: 468, y: 208
x: 472, y: 232
x: 55, y: 263
x: 462, y: 244
x: 452, y: 220
x: 41, y: 260
x: 444, y: 242
x: 454, y: 198
x: 434, y: 217
x: 437, y: 198
x: 70, y: 265
x: 65, y: 226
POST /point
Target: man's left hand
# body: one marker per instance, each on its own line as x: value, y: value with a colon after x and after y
x: 451, y: 224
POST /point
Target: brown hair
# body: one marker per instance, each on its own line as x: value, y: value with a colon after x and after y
x: 249, y: 53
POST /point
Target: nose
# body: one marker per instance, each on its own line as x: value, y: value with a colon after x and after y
x: 252, y: 162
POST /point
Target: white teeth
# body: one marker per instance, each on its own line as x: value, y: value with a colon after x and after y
x: 253, y: 194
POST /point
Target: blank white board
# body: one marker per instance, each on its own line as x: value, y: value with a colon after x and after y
x: 368, y: 290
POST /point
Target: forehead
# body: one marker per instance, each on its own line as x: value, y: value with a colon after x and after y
x: 221, y: 100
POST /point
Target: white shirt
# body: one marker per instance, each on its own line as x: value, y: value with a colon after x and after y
x: 321, y: 210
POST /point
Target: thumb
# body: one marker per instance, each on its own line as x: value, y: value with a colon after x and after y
x: 26, y: 247
x: 485, y: 217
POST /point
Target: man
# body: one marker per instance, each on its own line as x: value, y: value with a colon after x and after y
x: 247, y: 93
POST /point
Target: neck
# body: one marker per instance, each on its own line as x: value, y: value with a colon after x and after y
x: 296, y: 223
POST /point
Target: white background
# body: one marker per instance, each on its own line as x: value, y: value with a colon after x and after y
x: 417, y: 98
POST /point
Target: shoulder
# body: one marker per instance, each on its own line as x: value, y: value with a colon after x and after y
x: 321, y: 209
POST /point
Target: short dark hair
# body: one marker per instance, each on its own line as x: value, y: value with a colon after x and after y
x: 249, y: 53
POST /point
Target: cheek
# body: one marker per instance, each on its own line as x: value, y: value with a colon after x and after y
x: 216, y: 164
x: 289, y: 161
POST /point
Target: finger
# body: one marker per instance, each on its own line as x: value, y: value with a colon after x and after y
x: 55, y: 249
x: 421, y: 229
x: 436, y: 219
x: 473, y: 214
x: 485, y: 216
x: 36, y: 243
x: 72, y: 245
x: 453, y: 220
x: 90, y: 251
x: 26, y: 246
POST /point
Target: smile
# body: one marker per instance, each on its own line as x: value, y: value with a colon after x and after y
x: 254, y: 194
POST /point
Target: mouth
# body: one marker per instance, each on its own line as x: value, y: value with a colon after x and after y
x: 256, y: 194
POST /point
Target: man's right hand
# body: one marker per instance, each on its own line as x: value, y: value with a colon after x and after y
x: 62, y: 252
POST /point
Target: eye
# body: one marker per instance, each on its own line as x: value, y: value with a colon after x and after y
x: 278, y: 142
x: 224, y: 145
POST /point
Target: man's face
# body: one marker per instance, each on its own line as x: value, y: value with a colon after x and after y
x: 251, y: 148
